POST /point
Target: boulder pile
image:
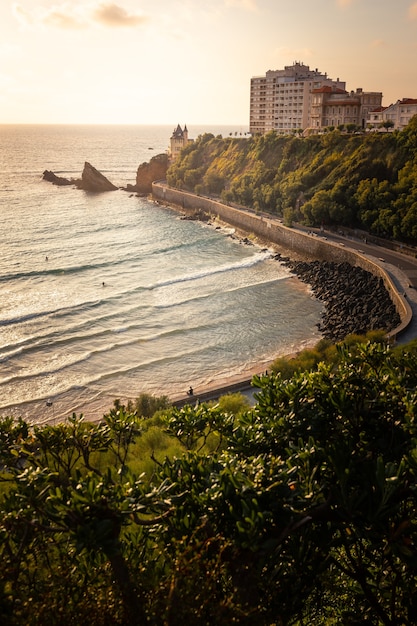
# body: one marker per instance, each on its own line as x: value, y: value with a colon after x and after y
x: 355, y: 300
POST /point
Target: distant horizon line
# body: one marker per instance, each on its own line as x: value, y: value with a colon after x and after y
x: 234, y: 124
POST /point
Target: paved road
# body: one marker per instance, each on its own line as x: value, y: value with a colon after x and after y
x: 403, y: 262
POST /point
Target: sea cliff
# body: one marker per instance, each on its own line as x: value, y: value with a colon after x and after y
x: 366, y: 181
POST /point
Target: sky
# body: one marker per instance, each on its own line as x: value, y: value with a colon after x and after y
x: 190, y: 61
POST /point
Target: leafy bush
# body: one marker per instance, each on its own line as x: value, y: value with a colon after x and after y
x: 146, y: 405
x: 303, y: 512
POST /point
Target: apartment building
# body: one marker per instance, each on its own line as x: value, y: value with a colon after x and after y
x: 333, y: 107
x: 281, y: 100
x: 375, y: 118
x: 400, y: 113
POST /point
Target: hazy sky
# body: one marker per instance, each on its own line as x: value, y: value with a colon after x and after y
x: 190, y: 61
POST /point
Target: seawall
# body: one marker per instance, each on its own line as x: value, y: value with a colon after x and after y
x: 292, y: 240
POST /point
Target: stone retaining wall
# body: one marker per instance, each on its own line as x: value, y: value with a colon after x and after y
x: 272, y: 230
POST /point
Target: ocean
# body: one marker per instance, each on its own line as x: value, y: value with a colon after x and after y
x: 106, y: 296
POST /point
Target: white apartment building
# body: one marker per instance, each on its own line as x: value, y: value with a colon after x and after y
x: 281, y: 100
x: 375, y: 118
x: 400, y: 113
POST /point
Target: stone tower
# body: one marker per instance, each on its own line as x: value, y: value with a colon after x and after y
x: 179, y: 140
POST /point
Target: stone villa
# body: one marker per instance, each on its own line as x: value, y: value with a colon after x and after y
x: 179, y: 139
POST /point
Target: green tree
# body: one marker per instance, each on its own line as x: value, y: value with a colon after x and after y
x: 65, y: 519
x: 213, y: 182
x: 317, y: 484
x: 300, y: 509
x: 320, y: 209
x: 387, y: 124
x: 146, y: 405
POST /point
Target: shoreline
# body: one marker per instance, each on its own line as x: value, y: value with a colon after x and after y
x: 237, y: 383
x: 310, y: 244
x: 58, y: 408
x: 223, y: 384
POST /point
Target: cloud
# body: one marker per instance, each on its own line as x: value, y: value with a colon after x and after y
x: 62, y: 19
x: 345, y: 3
x: 378, y: 43
x: 23, y: 17
x: 74, y: 15
x: 247, y: 5
x: 114, y: 15
x: 65, y: 15
x: 412, y: 11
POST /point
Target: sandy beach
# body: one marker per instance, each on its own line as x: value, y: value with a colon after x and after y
x: 403, y: 278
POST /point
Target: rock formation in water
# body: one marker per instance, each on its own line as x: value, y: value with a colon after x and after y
x: 56, y: 180
x: 93, y: 180
x: 147, y: 173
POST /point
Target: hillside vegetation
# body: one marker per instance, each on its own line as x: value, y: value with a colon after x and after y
x: 366, y: 181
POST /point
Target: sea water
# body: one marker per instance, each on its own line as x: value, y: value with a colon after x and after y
x: 109, y: 295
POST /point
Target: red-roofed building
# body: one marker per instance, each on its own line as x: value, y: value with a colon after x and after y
x: 375, y: 117
x: 333, y: 107
x: 401, y: 112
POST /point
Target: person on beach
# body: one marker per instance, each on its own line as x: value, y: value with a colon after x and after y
x: 190, y: 392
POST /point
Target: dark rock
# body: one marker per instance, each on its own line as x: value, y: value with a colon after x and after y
x: 355, y: 300
x: 93, y: 180
x: 196, y: 215
x: 56, y: 180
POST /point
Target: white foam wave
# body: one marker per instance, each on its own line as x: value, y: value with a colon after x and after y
x: 211, y: 271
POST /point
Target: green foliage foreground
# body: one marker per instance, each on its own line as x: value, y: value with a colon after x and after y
x: 303, y: 511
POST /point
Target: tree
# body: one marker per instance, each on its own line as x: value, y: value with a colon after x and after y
x: 301, y: 509
x: 320, y: 209
x: 316, y: 484
x: 387, y: 124
x: 65, y: 518
x: 214, y: 182
x: 146, y: 405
